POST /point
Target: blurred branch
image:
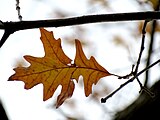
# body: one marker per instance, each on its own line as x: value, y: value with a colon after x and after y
x: 150, y: 50
x: 23, y: 25
x: 3, y: 114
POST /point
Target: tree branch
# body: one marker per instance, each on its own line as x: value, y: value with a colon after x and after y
x: 152, y: 40
x: 22, y: 25
x: 142, y: 46
x: 150, y: 51
x: 103, y: 100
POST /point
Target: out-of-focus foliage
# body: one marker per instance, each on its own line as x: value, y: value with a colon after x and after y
x: 153, y: 3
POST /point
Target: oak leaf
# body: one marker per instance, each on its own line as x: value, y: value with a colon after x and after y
x: 55, y: 69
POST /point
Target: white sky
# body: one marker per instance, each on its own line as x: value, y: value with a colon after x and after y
x: 24, y: 104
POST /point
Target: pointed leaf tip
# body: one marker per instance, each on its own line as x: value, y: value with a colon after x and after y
x: 90, y: 69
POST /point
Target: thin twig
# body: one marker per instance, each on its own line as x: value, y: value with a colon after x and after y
x: 125, y: 76
x: 18, y: 10
x: 143, y: 88
x: 135, y: 72
x: 103, y: 100
x: 139, y: 58
x: 142, y: 47
x: 140, y: 54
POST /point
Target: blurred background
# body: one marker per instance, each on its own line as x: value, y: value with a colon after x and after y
x: 115, y: 45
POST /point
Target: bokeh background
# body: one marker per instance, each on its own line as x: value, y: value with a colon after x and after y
x: 115, y: 45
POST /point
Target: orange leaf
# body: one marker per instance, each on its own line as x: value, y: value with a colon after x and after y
x: 55, y: 69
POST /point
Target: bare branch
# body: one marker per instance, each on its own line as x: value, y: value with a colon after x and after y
x: 23, y: 25
x: 142, y: 47
x: 103, y: 100
x: 143, y: 88
x: 18, y: 10
x: 152, y: 34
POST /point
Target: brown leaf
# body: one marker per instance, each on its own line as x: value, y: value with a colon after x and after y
x: 89, y: 69
x: 55, y: 69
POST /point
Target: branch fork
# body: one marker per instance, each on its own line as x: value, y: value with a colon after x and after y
x: 135, y: 72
